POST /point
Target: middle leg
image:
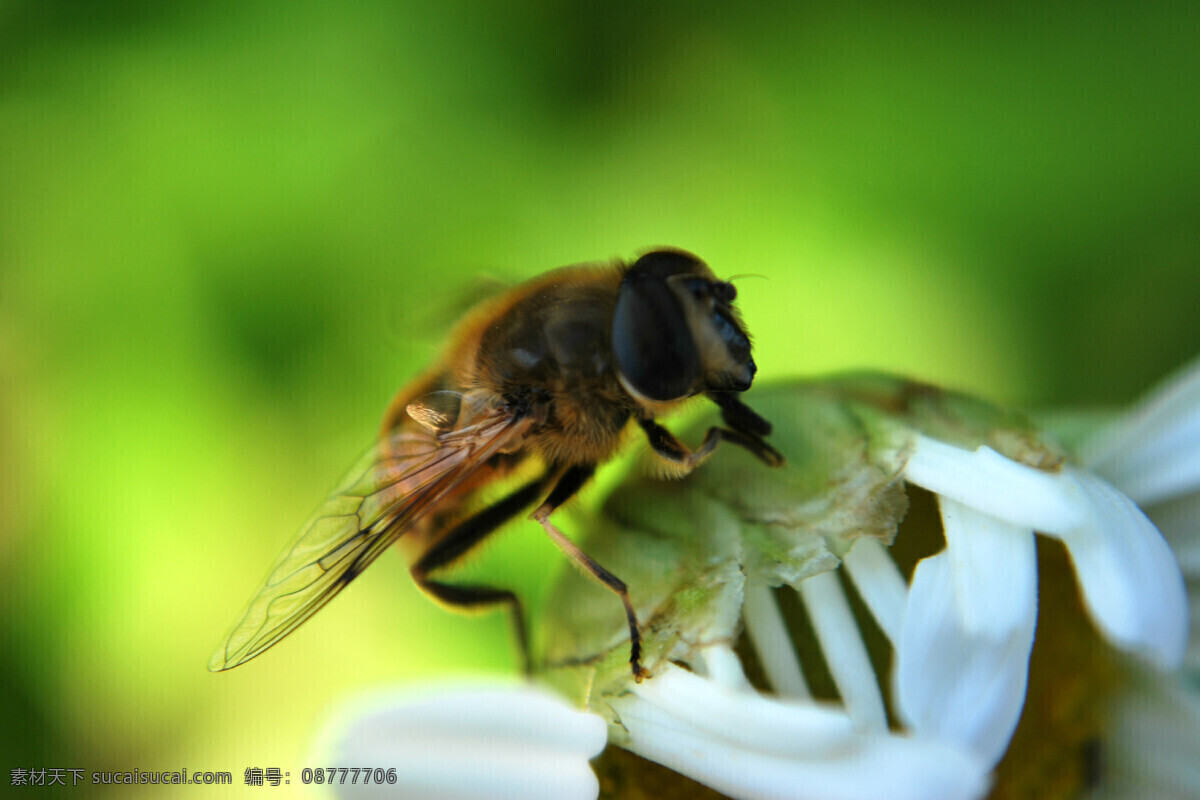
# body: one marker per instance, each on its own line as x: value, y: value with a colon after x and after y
x: 675, y: 452
x: 570, y: 483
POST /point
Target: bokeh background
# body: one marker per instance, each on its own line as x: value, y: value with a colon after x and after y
x: 229, y: 231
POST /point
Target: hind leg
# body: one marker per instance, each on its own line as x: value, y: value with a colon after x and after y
x: 459, y: 541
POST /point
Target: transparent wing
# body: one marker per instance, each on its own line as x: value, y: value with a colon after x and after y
x: 389, y: 489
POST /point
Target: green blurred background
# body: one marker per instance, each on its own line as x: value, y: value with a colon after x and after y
x: 230, y: 231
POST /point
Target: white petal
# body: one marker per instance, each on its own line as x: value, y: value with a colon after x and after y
x: 994, y: 565
x: 746, y: 719
x: 1191, y: 659
x: 1161, y: 470
x: 721, y: 664
x: 951, y: 685
x: 1130, y: 579
x: 1136, y: 452
x: 997, y: 486
x: 760, y: 749
x: 772, y: 643
x: 1179, y: 522
x: 879, y: 584
x: 844, y: 651
x: 1152, y: 747
x: 463, y: 743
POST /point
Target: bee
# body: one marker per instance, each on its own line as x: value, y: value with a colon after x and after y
x: 543, y: 381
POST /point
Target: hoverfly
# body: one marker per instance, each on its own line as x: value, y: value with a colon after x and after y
x: 548, y: 375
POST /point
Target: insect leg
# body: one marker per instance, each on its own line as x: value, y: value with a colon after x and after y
x: 570, y: 483
x: 746, y: 421
x: 740, y: 416
x: 460, y: 540
x: 666, y: 445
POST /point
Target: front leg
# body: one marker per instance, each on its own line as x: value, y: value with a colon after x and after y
x: 676, y: 453
x: 745, y: 420
x: 740, y: 416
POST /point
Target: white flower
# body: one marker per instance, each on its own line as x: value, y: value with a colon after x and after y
x: 487, y: 742
x: 721, y: 732
x: 961, y: 630
x: 1153, y: 455
x: 1152, y: 745
x: 469, y: 742
x: 962, y: 633
x: 962, y: 658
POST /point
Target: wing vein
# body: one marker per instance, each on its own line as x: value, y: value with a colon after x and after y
x: 394, y: 485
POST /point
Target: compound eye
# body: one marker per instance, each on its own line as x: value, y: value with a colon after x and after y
x: 652, y: 342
